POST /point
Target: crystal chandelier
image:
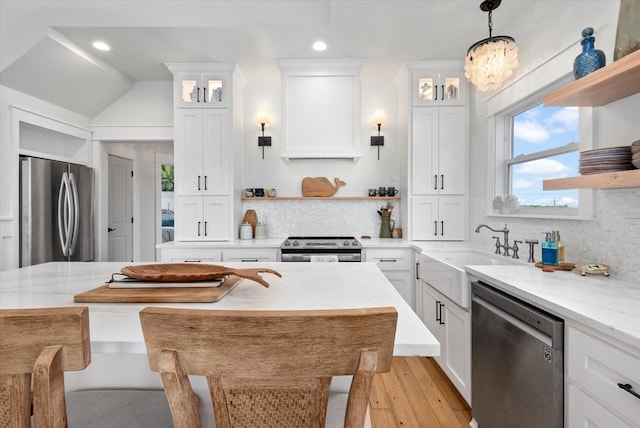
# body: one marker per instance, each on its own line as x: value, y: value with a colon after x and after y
x: 490, y: 62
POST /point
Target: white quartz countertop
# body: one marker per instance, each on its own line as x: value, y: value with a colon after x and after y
x: 602, y: 303
x: 115, y: 327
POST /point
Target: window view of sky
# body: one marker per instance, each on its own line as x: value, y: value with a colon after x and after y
x: 537, y: 129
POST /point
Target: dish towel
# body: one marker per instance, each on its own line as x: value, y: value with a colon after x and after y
x: 332, y: 258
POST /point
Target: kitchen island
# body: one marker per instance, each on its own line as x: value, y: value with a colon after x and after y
x: 118, y: 350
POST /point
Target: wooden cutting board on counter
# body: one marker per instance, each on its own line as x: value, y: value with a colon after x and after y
x: 105, y: 294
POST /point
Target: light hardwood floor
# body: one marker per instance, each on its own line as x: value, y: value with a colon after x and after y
x: 416, y: 394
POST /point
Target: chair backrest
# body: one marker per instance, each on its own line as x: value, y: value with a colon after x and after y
x: 40, y: 344
x: 268, y: 368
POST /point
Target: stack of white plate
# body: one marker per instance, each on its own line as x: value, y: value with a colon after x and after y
x: 606, y: 159
x: 635, y: 154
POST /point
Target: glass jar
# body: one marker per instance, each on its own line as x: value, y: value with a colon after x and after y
x: 628, y: 34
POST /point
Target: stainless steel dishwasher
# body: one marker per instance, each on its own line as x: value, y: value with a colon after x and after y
x: 517, y: 362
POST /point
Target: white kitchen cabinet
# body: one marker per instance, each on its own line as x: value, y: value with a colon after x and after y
x: 437, y: 154
x: 595, y: 367
x: 202, y: 151
x: 438, y: 218
x: 451, y: 325
x: 205, y: 218
x: 438, y: 86
x: 397, y: 266
x: 250, y: 255
x: 438, y: 151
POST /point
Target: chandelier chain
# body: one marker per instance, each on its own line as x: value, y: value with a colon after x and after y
x: 490, y: 23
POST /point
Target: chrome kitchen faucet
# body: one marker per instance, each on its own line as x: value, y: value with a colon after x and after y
x: 504, y: 246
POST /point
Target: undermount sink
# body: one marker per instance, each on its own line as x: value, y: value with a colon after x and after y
x: 444, y: 271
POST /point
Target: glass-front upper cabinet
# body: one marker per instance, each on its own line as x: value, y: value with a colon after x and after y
x: 202, y: 90
x: 202, y: 85
x: 434, y: 87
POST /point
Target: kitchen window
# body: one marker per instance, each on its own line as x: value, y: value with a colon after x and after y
x: 534, y: 143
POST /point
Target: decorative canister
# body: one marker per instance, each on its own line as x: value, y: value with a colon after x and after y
x: 246, y: 231
x: 261, y: 231
x: 590, y: 59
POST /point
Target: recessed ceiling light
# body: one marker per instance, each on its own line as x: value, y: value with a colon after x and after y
x: 319, y: 46
x: 101, y: 46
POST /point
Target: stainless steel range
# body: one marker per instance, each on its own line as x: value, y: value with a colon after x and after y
x: 321, y: 248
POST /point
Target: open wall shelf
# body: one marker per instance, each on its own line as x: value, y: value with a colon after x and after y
x: 613, y: 82
x: 608, y: 180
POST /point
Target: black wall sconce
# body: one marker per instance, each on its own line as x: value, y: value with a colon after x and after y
x: 379, y: 119
x: 262, y: 120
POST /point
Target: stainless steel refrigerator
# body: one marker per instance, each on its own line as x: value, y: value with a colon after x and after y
x: 56, y: 211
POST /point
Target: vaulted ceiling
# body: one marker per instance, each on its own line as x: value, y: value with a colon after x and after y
x: 45, y: 46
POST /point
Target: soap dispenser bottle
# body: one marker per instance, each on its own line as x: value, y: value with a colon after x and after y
x: 550, y: 250
x: 560, y: 247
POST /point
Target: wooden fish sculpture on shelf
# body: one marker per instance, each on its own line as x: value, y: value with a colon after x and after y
x: 320, y: 186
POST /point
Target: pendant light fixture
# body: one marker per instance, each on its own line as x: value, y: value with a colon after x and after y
x: 490, y: 62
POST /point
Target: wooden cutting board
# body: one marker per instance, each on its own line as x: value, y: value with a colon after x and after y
x: 105, y: 294
x: 320, y: 186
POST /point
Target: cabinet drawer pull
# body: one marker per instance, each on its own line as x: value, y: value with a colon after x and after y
x: 193, y: 261
x: 249, y: 260
x: 388, y: 260
x: 627, y: 387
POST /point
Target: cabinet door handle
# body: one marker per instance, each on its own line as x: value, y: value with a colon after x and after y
x: 436, y: 88
x: 442, y: 182
x: 417, y: 270
x: 198, y: 228
x: 198, y: 94
x: 205, y: 228
x: 199, y: 183
x: 204, y: 94
x: 435, y: 228
x: 435, y: 182
x: 441, y: 306
x: 441, y: 227
x: 442, y: 93
x: 627, y: 387
x: 205, y: 183
x: 438, y: 313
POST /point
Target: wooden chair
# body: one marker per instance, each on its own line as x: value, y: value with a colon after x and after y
x: 268, y: 368
x: 41, y: 344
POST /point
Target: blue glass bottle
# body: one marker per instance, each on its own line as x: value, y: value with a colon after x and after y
x: 590, y: 59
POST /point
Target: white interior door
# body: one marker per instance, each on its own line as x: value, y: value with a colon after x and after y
x: 120, y: 209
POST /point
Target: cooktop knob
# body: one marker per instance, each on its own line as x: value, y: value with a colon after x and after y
x: 354, y: 243
x: 296, y: 243
x: 346, y: 243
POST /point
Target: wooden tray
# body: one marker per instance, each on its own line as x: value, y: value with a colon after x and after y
x: 562, y: 266
x: 104, y: 294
